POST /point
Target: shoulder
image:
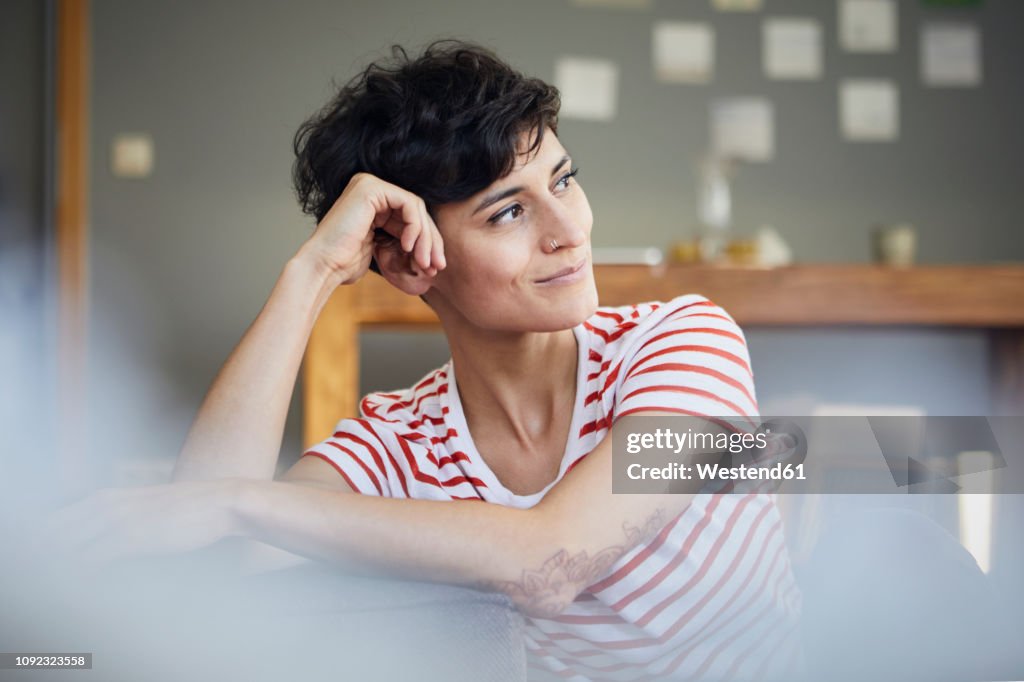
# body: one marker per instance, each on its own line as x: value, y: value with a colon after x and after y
x: 417, y: 407
x: 683, y: 354
x: 688, y: 306
x: 615, y: 330
x: 389, y: 420
x: 689, y: 357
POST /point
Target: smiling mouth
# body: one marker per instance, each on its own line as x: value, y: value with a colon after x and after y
x: 563, y: 273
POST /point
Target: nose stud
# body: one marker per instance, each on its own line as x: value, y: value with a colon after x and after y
x: 554, y: 245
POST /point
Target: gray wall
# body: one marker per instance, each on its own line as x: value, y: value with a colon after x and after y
x: 183, y: 261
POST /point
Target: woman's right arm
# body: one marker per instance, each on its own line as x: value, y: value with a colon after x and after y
x: 238, y: 430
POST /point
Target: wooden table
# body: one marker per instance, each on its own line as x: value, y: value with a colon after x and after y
x: 980, y: 297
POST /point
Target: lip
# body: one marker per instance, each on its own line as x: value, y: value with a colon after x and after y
x: 569, y: 274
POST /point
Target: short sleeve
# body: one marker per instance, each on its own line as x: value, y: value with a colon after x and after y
x: 359, y: 451
x: 692, y: 360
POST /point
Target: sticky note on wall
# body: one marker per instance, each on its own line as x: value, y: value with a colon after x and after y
x: 743, y: 128
x: 869, y: 110
x: 951, y: 55
x: 683, y: 52
x: 867, y: 25
x: 792, y: 49
x: 589, y: 87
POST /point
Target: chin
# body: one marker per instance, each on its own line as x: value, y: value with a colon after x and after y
x: 551, y: 313
x: 567, y: 312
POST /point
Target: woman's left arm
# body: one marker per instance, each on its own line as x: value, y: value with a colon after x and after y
x: 542, y: 557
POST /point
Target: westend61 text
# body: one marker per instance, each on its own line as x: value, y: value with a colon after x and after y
x: 715, y: 472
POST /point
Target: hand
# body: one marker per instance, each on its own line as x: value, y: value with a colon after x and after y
x: 343, y: 241
x: 120, y: 523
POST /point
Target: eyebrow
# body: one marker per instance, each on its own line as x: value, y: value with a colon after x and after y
x: 505, y: 193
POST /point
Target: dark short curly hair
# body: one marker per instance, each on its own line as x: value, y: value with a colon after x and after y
x: 443, y: 125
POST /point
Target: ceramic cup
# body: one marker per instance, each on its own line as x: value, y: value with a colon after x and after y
x: 895, y: 245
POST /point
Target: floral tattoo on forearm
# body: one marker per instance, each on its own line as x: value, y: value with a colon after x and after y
x: 548, y: 590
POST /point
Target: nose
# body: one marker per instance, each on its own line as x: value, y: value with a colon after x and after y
x: 562, y: 227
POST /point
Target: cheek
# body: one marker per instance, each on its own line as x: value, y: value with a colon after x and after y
x: 490, y: 268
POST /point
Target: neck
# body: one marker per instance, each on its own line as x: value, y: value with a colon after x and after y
x: 515, y: 381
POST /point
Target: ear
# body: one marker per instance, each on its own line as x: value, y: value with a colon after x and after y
x: 399, y: 268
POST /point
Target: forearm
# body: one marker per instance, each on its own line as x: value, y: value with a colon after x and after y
x: 239, y: 427
x: 463, y: 543
x: 542, y: 558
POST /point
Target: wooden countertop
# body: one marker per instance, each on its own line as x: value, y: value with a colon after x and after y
x: 802, y: 295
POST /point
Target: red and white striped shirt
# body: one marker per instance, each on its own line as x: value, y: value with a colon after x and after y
x: 712, y: 596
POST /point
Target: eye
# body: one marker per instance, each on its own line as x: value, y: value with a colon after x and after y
x: 564, y: 180
x: 513, y: 211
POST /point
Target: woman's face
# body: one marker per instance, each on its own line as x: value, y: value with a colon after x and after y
x: 503, y: 272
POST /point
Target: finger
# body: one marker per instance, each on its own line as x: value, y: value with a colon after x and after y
x: 437, y: 257
x: 421, y: 227
x: 424, y: 244
x: 392, y: 221
x: 405, y: 207
x: 102, y: 513
x: 410, y: 233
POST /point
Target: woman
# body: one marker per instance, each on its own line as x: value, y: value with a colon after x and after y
x: 445, y: 175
